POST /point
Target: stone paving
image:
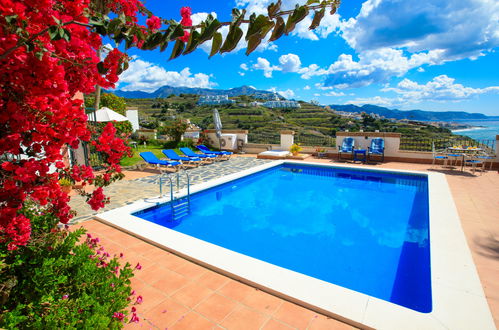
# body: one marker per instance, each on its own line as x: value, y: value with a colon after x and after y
x: 127, y: 191
x: 181, y: 294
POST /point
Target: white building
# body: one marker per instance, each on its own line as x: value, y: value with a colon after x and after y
x: 282, y: 104
x: 215, y: 100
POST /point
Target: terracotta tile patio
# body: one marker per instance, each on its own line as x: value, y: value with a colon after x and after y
x: 179, y: 294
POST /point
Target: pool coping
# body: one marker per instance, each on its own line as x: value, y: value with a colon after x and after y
x: 457, y: 295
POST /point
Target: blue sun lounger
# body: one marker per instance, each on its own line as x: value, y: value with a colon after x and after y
x: 347, y: 147
x: 151, y: 159
x: 377, y: 148
x: 189, y: 153
x: 171, y: 154
x: 207, y: 151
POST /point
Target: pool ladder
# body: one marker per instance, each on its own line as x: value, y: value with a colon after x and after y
x: 180, y: 207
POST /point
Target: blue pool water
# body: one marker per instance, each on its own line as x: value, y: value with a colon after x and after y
x: 364, y: 230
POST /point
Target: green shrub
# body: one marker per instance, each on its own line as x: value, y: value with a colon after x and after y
x: 170, y: 144
x: 61, y: 281
x: 189, y: 143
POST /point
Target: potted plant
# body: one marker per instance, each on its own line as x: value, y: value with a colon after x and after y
x: 66, y: 185
x: 295, y: 149
x: 321, y: 152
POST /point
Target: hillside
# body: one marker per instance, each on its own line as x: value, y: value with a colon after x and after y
x: 313, y: 124
x: 410, y: 114
x: 166, y: 91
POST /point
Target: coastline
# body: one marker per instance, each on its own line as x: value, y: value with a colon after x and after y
x: 474, y: 128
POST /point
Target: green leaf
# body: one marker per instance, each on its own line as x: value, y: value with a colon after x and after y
x: 11, y: 19
x: 333, y: 9
x: 309, y: 2
x: 156, y: 39
x: 261, y: 25
x: 273, y: 8
x: 177, y: 49
x: 163, y: 46
x: 193, y: 42
x: 53, y: 32
x: 177, y: 32
x: 253, y: 42
x: 278, y: 29
x: 30, y: 46
x: 208, y: 31
x: 297, y: 16
x: 114, y: 25
x: 237, y: 16
x: 317, y: 18
x: 101, y: 69
x: 216, y: 43
x: 235, y: 34
x: 56, y: 20
x: 128, y: 43
x: 66, y: 35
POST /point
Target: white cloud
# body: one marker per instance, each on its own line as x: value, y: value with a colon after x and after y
x: 312, y: 70
x: 286, y: 94
x: 459, y: 28
x: 241, y: 73
x: 375, y: 66
x: 244, y: 66
x: 264, y: 65
x: 335, y: 94
x: 376, y: 100
x: 440, y: 89
x: 146, y: 76
x: 290, y: 63
x: 307, y: 87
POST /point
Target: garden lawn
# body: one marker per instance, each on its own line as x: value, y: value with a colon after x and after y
x: 129, y: 161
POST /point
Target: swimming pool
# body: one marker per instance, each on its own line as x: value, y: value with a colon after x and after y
x: 415, y: 272
x: 366, y: 231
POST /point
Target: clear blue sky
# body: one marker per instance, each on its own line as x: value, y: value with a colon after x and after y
x: 411, y: 54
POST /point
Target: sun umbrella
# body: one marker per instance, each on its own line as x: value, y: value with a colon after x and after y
x: 106, y: 114
x: 218, y: 123
x: 218, y: 126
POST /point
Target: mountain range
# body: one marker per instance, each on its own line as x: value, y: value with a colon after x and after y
x: 410, y: 114
x: 422, y: 115
x: 165, y: 91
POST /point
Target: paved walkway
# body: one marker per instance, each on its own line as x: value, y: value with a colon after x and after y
x: 179, y: 294
x: 127, y: 191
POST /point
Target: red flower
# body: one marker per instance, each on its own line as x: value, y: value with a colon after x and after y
x: 185, y: 37
x: 119, y: 316
x: 135, y: 318
x: 7, y: 166
x: 154, y: 23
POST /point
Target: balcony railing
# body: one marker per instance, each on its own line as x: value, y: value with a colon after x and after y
x: 314, y: 140
x: 264, y: 138
x: 425, y: 144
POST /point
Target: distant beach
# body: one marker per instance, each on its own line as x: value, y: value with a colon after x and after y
x: 474, y: 128
x: 480, y: 130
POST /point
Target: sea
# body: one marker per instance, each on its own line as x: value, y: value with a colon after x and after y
x: 486, y: 129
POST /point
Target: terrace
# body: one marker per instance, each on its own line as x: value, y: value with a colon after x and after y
x: 181, y: 294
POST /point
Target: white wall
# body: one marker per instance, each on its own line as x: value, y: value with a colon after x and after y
x: 287, y: 140
x: 133, y: 117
